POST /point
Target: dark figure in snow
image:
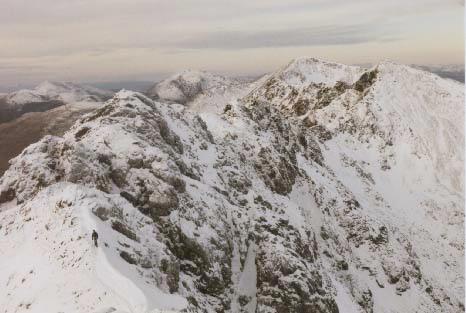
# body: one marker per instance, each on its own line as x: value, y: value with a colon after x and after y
x: 95, y: 236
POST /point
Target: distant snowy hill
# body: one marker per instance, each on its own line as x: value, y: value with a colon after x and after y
x: 46, y: 96
x: 198, y: 89
x: 317, y: 188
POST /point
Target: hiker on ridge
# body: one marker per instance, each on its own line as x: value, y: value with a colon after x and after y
x: 95, y: 236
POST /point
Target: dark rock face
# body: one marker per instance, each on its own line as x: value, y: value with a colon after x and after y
x: 123, y: 229
x: 279, y: 175
x: 281, y: 282
x: 326, y: 95
x: 80, y: 133
x: 205, y: 131
x: 366, y: 80
x: 7, y: 195
x: 172, y: 271
x: 128, y: 257
x: 276, y: 165
x: 239, y: 182
x: 102, y: 213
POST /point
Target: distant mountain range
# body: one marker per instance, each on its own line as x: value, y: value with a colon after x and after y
x: 50, y: 108
x: 46, y: 96
x: 452, y: 71
x: 455, y: 72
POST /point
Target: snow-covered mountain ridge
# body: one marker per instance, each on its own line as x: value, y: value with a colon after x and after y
x: 46, y: 96
x: 200, y: 89
x: 63, y: 91
x: 320, y: 188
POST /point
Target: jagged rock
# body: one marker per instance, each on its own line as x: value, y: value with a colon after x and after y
x: 128, y: 257
x: 80, y: 133
x: 123, y: 229
x: 102, y: 213
x: 7, y: 195
x: 366, y: 80
x: 279, y: 175
x: 172, y: 270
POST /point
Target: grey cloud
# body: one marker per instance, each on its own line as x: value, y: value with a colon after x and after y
x: 18, y: 67
x: 147, y: 12
x: 224, y: 39
x: 313, y: 36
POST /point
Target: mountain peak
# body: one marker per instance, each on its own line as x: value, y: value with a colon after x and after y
x: 304, y: 70
x: 313, y: 60
x: 185, y: 86
x: 53, y: 87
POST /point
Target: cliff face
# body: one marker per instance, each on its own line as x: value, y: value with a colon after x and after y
x: 319, y: 188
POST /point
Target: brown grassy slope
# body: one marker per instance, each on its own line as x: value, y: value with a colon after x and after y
x: 29, y: 128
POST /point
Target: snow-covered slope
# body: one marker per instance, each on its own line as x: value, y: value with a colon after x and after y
x: 63, y: 91
x: 299, y: 85
x: 46, y: 96
x: 394, y: 138
x: 306, y: 71
x: 351, y: 204
x: 200, y: 89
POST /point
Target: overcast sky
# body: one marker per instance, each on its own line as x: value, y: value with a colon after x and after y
x: 115, y: 40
